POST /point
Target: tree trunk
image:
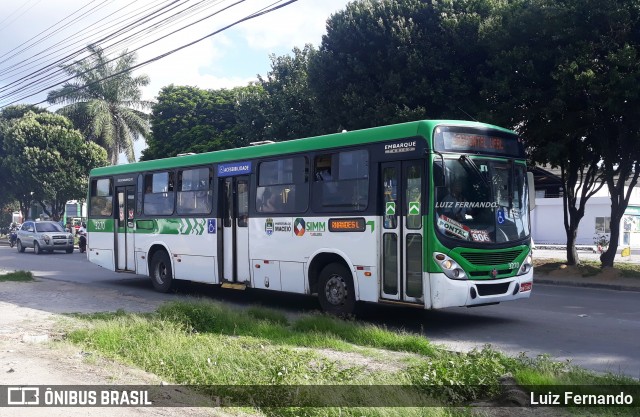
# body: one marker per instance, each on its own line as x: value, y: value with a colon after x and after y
x: 608, y: 256
x: 25, y: 205
x: 572, y: 253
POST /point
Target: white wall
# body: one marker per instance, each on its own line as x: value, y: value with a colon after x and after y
x: 547, y: 219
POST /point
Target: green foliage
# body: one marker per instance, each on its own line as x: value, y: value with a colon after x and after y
x: 565, y: 74
x: 189, y: 119
x: 205, y: 344
x: 47, y: 160
x: 8, y: 193
x: 587, y: 268
x: 395, y: 61
x: 17, y: 276
x: 281, y: 106
x: 108, y: 112
x: 462, y: 377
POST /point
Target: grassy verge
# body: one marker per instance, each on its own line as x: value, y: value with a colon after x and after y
x: 205, y: 344
x: 587, y: 268
x: 19, y: 276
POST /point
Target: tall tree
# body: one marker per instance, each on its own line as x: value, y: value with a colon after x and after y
x: 105, y: 101
x: 8, y: 116
x: 281, y: 105
x: 190, y: 119
x: 391, y: 61
x: 564, y: 73
x: 49, y: 161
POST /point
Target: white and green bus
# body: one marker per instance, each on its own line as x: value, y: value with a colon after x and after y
x: 431, y: 214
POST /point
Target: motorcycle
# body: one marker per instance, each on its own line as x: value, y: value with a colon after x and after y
x: 13, y: 238
x: 82, y: 241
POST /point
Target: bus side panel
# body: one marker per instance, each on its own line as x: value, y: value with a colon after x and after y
x: 192, y: 246
x: 142, y: 264
x: 292, y: 241
x: 100, y: 243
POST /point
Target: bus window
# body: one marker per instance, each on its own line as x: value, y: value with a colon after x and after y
x: 194, y: 191
x: 159, y: 193
x: 283, y: 186
x: 342, y: 181
x: 101, y: 197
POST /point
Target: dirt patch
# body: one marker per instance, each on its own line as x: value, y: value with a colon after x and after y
x: 609, y: 274
x: 566, y: 270
x: 385, y: 362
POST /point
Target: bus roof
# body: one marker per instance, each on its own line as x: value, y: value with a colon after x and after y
x: 422, y: 128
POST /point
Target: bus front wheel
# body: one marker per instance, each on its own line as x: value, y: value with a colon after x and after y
x: 161, y: 273
x: 335, y: 290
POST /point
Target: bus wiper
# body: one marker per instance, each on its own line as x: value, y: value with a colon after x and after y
x: 512, y: 176
x: 469, y: 161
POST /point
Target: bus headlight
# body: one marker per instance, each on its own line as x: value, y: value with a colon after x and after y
x: 450, y: 267
x: 526, y: 265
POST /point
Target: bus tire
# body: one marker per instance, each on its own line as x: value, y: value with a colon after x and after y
x: 161, y: 272
x: 335, y: 290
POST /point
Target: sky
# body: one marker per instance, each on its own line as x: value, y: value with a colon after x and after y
x: 37, y: 36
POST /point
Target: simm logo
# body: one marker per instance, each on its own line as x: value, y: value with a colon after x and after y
x: 299, y: 227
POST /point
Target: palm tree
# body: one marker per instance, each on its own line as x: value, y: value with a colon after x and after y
x: 104, y: 101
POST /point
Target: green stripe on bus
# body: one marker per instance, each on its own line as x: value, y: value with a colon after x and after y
x: 179, y: 226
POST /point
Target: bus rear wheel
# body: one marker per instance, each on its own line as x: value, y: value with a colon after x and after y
x: 335, y: 290
x: 161, y: 273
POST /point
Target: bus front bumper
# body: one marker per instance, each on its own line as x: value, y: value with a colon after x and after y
x: 446, y: 292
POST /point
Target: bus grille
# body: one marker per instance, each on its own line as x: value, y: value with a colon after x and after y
x: 491, y: 258
x: 493, y: 289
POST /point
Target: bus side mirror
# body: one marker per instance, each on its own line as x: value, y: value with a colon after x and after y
x: 532, y: 191
x: 438, y: 174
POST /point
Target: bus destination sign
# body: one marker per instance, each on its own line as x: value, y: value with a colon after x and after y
x: 476, y: 142
x: 357, y: 224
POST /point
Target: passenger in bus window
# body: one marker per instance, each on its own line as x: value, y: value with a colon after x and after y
x: 270, y: 201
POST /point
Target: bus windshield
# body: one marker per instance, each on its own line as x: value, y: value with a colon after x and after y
x: 483, y: 200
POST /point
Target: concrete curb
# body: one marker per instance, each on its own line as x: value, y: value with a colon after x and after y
x: 596, y: 285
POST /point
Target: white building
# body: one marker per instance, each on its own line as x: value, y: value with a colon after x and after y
x: 547, y: 219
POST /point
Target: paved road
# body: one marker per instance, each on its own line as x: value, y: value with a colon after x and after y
x: 594, y: 328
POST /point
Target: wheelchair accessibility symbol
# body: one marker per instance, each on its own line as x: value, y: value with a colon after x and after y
x: 211, y: 225
x: 500, y: 215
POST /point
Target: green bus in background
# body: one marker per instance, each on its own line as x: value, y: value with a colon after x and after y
x: 74, y: 213
x: 431, y: 214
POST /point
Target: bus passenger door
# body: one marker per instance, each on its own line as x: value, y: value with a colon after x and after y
x: 124, y: 220
x: 402, y: 231
x: 235, y: 229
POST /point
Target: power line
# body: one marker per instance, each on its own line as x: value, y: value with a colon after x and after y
x: 42, y: 32
x: 261, y: 12
x: 75, y: 53
x: 50, y: 51
x: 4, y: 26
x: 59, y: 71
x: 33, y: 84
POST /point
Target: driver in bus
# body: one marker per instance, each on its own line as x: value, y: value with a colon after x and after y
x: 454, y: 202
